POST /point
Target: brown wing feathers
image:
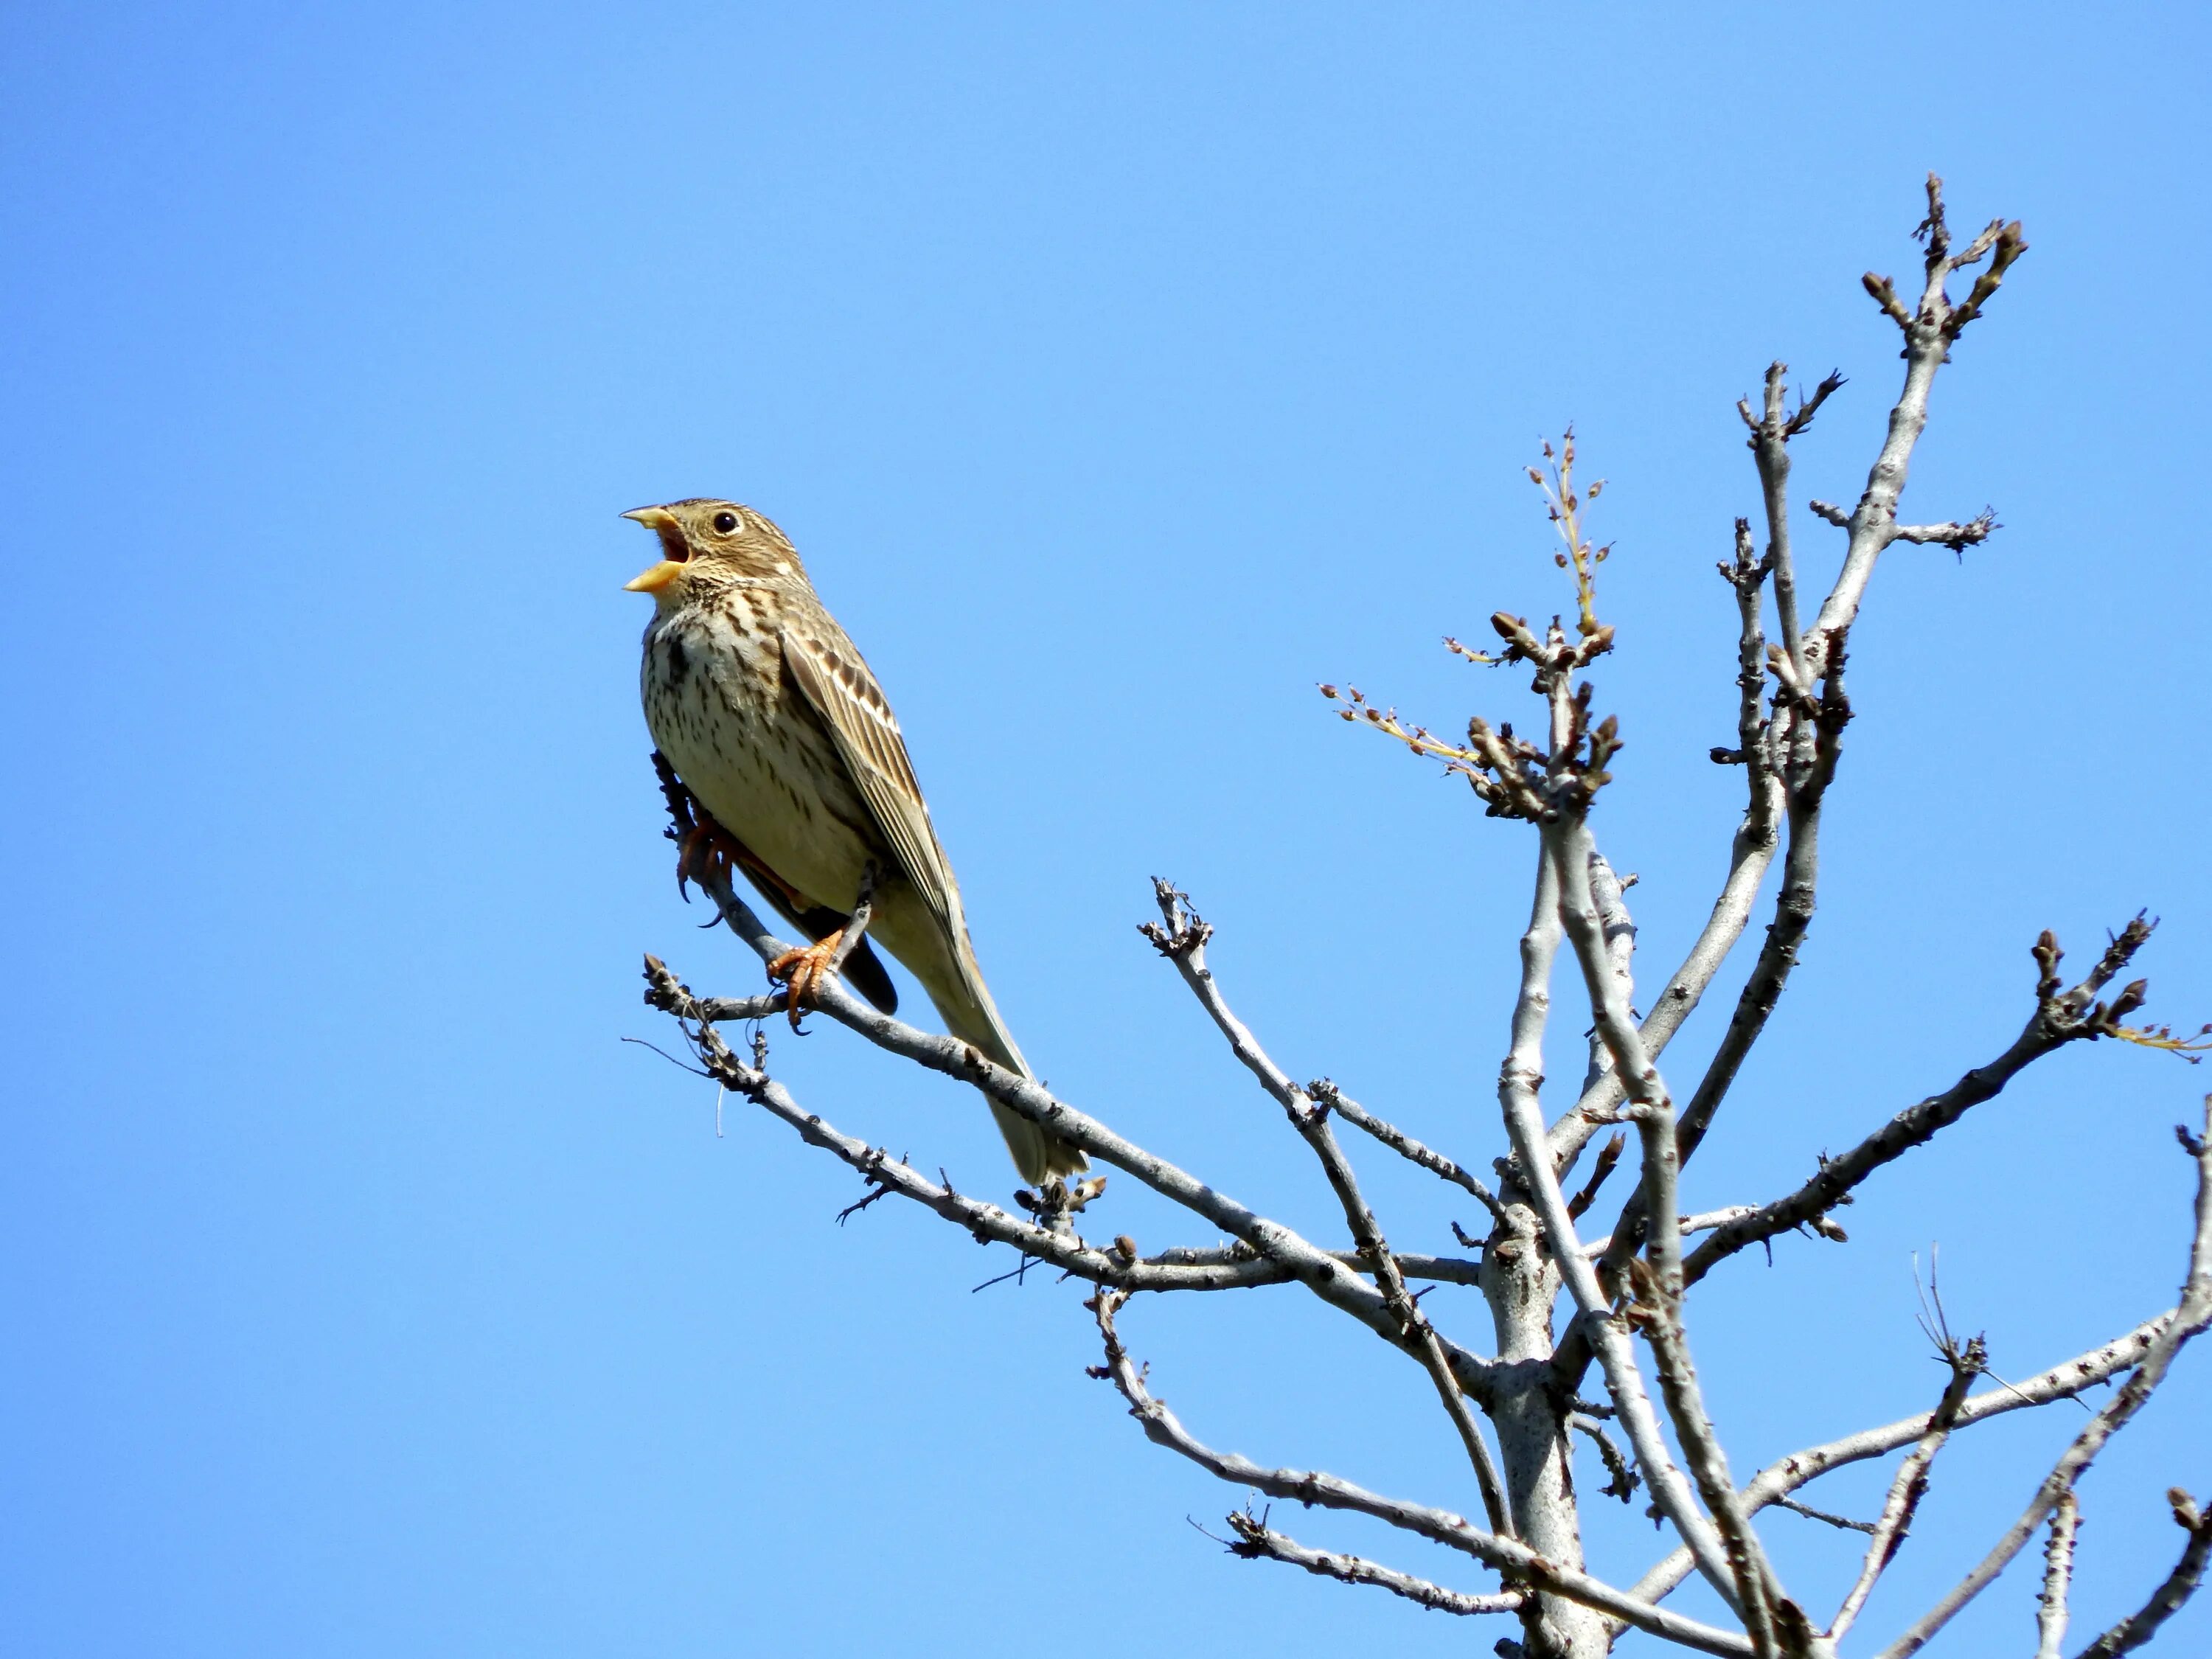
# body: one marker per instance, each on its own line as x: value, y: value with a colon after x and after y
x: 845, y: 695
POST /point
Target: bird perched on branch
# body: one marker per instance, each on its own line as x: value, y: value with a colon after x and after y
x: 778, y: 728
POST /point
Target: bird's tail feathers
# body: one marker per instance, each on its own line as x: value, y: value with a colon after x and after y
x: 970, y: 1015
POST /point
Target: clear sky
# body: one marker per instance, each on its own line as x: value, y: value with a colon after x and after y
x: 1122, y: 372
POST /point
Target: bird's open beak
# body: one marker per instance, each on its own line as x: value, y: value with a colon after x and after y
x: 662, y: 523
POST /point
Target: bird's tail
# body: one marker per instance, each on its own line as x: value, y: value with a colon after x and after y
x: 936, y: 951
x: 969, y: 1014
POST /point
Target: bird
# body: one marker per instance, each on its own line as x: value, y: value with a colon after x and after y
x: 775, y: 723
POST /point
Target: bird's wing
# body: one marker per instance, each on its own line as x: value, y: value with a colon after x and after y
x: 838, y: 685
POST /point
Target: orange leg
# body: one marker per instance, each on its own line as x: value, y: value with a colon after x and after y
x: 803, y: 970
x: 707, y: 847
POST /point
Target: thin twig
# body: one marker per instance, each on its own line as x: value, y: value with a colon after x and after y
x: 1516, y: 1560
x: 1308, y: 1265
x: 2138, y: 1627
x: 1182, y: 937
x: 1327, y: 1094
x: 1929, y: 329
x: 1842, y: 1522
x: 1173, y: 1270
x: 1787, y: 1474
x: 1257, y: 1541
x: 1770, y: 438
x: 1906, y: 1491
x: 1955, y: 536
x: 1609, y: 1156
x: 1749, y: 854
x: 1623, y: 1478
x: 1704, y: 1222
x: 2190, y: 1317
x: 2055, y: 1022
x: 1809, y: 659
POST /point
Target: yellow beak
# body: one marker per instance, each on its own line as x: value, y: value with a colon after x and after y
x: 662, y: 523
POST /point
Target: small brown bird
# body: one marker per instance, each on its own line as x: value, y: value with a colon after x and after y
x: 770, y: 717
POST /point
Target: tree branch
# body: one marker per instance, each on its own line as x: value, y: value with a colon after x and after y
x: 1182, y: 938
x: 1516, y: 1560
x: 1928, y: 331
x: 1327, y: 1094
x: 1419, y: 1333
x: 1906, y: 1491
x: 1750, y: 852
x: 1804, y: 788
x: 1955, y: 536
x: 1518, y: 1081
x: 1702, y: 1223
x: 1800, y: 1469
x: 1770, y: 440
x: 2138, y: 1627
x: 1257, y: 1541
x: 1791, y: 760
x: 1442, y: 1269
x: 1622, y: 1480
x: 2193, y: 1314
x: 2056, y: 1022
x: 2057, y: 1579
x: 1658, y: 1309
x: 1308, y: 1265
x: 1617, y: 928
x: 1239, y: 1268
x: 1841, y: 1522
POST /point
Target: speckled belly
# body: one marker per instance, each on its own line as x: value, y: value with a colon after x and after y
x: 761, y: 764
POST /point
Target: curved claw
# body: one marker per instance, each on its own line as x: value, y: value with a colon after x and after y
x: 705, y: 846
x: 803, y: 970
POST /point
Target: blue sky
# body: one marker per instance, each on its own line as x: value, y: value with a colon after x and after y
x: 1122, y: 372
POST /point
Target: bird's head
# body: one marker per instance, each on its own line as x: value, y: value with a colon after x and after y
x: 706, y: 542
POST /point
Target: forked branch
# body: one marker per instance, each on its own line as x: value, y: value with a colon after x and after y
x: 1790, y: 715
x: 1516, y: 1562
x: 2075, y: 1016
x: 2139, y: 1626
x: 2190, y: 1317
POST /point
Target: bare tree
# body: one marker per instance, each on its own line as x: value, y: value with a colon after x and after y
x: 1518, y: 1404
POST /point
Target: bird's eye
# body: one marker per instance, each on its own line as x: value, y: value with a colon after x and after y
x: 725, y: 523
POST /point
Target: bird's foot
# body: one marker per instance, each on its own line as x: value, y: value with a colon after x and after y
x: 706, y: 849
x: 803, y: 970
